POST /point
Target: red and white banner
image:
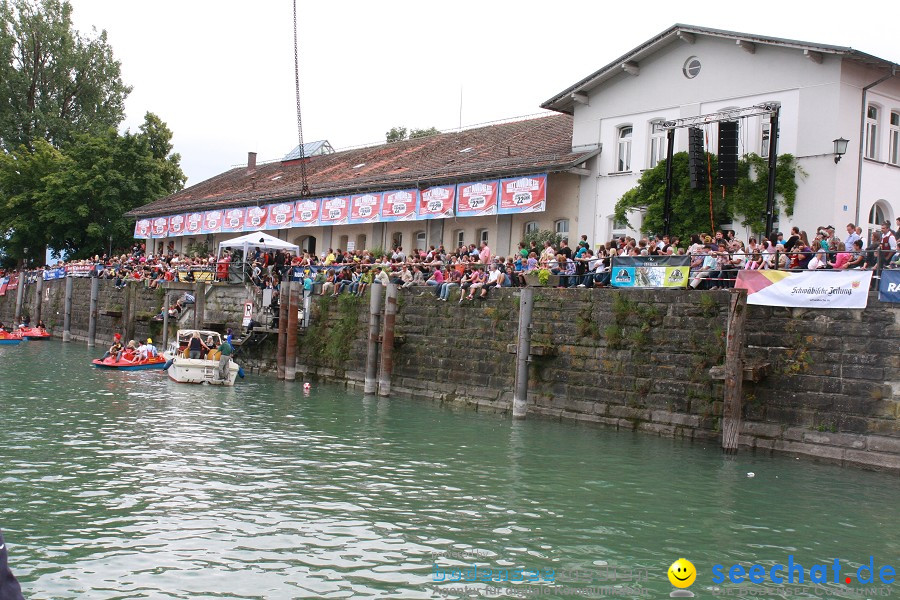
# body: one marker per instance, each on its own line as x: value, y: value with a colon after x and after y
x: 212, y: 221
x: 159, y: 227
x: 142, y: 229
x: 306, y: 213
x: 256, y: 218
x: 280, y: 215
x: 233, y: 220
x: 400, y: 205
x: 176, y: 225
x: 807, y: 289
x: 477, y: 199
x: 335, y: 211
x: 437, y: 202
x: 523, y: 194
x: 193, y: 223
x: 365, y: 208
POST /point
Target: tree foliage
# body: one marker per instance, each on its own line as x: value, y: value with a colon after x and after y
x: 541, y: 236
x: 398, y: 134
x: 745, y: 202
x: 55, y: 83
x: 72, y: 199
x: 420, y: 133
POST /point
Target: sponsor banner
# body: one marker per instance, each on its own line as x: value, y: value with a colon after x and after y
x: 142, y: 229
x: 335, y: 211
x: 650, y: 271
x: 13, y: 282
x: 193, y: 223
x: 477, y: 199
x: 79, y: 270
x: 57, y: 273
x: 176, y: 225
x: 523, y: 194
x: 159, y: 227
x: 400, y: 205
x: 255, y: 218
x: 365, y: 208
x: 212, y: 221
x: 437, y: 202
x: 4, y: 283
x: 806, y: 289
x: 306, y: 213
x: 233, y: 220
x: 889, y: 287
x: 280, y: 215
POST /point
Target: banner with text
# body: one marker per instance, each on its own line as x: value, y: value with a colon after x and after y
x: 889, y: 286
x: 212, y: 221
x: 365, y: 208
x: 281, y: 215
x: 477, y: 199
x: 193, y: 223
x: 399, y: 205
x: 233, y: 220
x: 142, y: 229
x: 159, y: 227
x: 523, y: 194
x: 255, y: 219
x: 335, y: 211
x: 650, y: 271
x: 806, y: 289
x: 176, y: 225
x: 57, y: 273
x: 306, y: 213
x: 437, y: 202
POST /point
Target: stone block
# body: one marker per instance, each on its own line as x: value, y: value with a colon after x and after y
x: 767, y: 430
x: 628, y: 412
x: 872, y: 460
x: 819, y: 451
x: 657, y: 428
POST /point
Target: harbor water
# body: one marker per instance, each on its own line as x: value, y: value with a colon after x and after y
x: 129, y: 485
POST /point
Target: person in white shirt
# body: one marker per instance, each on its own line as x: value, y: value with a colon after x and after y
x: 852, y: 236
x: 493, y: 280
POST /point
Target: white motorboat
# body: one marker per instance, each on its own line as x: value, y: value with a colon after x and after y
x: 183, y: 369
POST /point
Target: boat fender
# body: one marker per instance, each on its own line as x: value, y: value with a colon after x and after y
x: 241, y: 372
x: 168, y: 364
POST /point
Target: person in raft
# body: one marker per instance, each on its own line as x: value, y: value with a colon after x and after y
x: 115, y: 348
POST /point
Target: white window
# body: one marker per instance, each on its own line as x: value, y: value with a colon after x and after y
x: 396, y: 239
x: 420, y: 240
x: 872, y: 132
x: 894, y: 148
x: 531, y: 226
x: 877, y: 216
x: 657, y: 145
x: 460, y: 237
x: 483, y: 235
x: 562, y: 227
x: 623, y: 160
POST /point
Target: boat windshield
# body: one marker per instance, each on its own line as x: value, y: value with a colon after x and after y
x: 184, y: 336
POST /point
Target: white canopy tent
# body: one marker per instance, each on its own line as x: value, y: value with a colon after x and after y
x: 257, y: 239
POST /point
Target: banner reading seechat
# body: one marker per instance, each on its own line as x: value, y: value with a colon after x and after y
x: 806, y: 289
x: 650, y: 271
x: 889, y: 287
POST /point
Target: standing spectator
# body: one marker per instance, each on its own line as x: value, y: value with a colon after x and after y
x: 485, y: 254
x: 888, y: 243
x: 852, y: 236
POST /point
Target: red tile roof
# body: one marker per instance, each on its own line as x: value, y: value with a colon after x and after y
x: 530, y: 146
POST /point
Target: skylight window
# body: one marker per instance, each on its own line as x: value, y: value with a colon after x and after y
x: 469, y: 149
x: 358, y: 166
x: 276, y: 178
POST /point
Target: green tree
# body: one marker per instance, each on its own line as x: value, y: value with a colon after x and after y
x: 541, y: 236
x: 420, y: 133
x: 691, y: 208
x: 54, y: 82
x: 396, y: 134
x: 73, y: 199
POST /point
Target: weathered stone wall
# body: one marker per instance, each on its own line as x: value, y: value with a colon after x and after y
x: 640, y: 359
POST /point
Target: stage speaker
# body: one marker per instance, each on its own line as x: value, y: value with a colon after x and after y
x: 728, y: 152
x: 696, y: 158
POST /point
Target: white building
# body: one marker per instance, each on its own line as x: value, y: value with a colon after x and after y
x: 826, y: 92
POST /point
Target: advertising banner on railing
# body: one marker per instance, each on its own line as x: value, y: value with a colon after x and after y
x: 4, y: 283
x: 159, y: 227
x: 399, y: 205
x: 57, y: 273
x: 176, y: 225
x: 255, y: 219
x: 806, y: 289
x: 365, y: 208
x: 306, y: 213
x: 193, y: 223
x: 142, y: 229
x: 523, y: 194
x: 477, y: 199
x: 335, y: 211
x: 889, y: 286
x: 437, y: 202
x: 280, y: 216
x: 212, y: 221
x: 79, y: 270
x: 650, y: 271
x: 233, y: 220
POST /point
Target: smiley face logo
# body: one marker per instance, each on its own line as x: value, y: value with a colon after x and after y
x: 682, y: 573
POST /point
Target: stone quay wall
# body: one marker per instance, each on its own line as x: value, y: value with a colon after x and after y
x: 640, y: 360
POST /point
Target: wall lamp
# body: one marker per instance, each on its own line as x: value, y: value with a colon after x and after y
x: 840, y: 149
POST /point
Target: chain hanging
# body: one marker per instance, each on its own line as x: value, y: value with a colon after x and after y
x: 304, y: 190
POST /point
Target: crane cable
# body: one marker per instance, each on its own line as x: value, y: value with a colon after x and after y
x: 304, y: 190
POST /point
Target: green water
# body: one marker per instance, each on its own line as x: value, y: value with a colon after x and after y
x: 128, y: 485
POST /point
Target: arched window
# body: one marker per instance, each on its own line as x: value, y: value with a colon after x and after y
x: 623, y: 157
x: 482, y: 235
x: 531, y: 226
x: 561, y: 226
x: 879, y: 213
x: 307, y: 243
x: 396, y: 239
x: 420, y: 240
x: 361, y: 242
x: 872, y: 114
x: 657, y: 144
x: 460, y: 237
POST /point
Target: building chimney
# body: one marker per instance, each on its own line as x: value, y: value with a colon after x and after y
x: 251, y: 162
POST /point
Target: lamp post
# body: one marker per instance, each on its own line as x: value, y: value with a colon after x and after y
x: 840, y: 149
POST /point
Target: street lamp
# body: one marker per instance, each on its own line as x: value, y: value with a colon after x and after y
x: 840, y: 149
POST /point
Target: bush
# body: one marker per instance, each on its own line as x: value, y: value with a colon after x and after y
x: 541, y: 236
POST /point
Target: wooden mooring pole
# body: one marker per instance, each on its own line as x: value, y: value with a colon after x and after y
x: 387, y: 340
x: 370, y: 385
x: 523, y: 349
x: 67, y: 310
x: 283, y: 301
x: 290, y: 349
x: 734, y: 370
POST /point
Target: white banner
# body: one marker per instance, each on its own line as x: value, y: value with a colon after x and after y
x: 807, y: 289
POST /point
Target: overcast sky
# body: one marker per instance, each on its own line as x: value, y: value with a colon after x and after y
x: 221, y: 72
